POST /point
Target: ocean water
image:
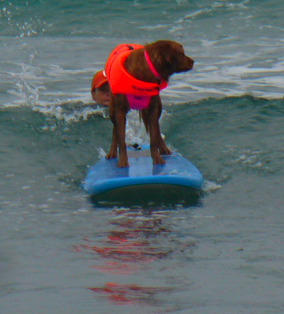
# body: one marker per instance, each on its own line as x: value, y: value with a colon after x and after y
x: 60, y: 254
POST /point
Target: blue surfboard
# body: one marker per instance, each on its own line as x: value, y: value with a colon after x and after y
x: 144, y: 184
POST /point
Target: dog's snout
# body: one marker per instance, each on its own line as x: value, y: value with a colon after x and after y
x: 190, y: 63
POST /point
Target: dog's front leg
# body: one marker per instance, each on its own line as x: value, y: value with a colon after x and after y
x: 163, y: 148
x: 155, y: 144
x: 121, y: 110
x: 113, y: 147
x: 120, y: 131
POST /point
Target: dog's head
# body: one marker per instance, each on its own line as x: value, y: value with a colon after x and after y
x: 169, y: 58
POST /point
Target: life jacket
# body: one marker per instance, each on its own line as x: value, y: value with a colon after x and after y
x: 138, y: 92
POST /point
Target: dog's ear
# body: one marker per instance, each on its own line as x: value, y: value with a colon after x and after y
x: 172, y: 54
x: 172, y: 51
x: 167, y: 53
x: 170, y: 58
x: 175, y: 59
x: 164, y: 52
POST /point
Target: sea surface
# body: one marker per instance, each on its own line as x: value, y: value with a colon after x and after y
x: 59, y: 253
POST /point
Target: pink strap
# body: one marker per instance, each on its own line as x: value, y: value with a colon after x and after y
x: 150, y: 64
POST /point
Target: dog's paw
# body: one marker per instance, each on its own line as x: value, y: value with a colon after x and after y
x: 158, y: 160
x: 165, y: 151
x: 111, y: 155
x: 123, y: 163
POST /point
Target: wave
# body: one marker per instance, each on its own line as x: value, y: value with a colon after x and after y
x: 221, y: 137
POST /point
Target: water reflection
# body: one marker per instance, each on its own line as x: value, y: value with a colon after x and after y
x: 136, y: 239
x: 130, y: 241
x: 122, y: 294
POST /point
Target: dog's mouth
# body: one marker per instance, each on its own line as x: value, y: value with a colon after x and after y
x: 186, y: 66
x: 190, y: 64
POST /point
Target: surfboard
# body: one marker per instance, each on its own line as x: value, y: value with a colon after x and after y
x: 178, y: 182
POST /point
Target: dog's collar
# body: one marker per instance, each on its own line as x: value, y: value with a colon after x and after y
x: 150, y: 64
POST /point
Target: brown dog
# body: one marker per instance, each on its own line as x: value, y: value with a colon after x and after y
x: 136, y: 75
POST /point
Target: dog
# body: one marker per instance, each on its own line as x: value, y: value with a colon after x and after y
x: 136, y: 75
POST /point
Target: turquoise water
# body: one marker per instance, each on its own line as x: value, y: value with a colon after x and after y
x: 59, y: 254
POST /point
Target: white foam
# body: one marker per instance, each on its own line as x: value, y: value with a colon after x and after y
x: 101, y: 153
x: 71, y: 112
x: 210, y: 186
x: 149, y: 27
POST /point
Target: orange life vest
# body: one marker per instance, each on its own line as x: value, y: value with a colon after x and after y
x: 138, y: 92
